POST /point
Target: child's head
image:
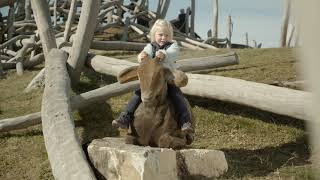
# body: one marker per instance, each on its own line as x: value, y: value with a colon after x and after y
x: 161, y: 32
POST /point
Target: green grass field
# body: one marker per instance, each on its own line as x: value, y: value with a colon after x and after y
x: 257, y: 144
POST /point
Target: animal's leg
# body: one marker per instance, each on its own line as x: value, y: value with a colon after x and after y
x: 168, y: 141
x: 132, y: 140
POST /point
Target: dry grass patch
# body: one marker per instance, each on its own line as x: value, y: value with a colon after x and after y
x: 257, y: 144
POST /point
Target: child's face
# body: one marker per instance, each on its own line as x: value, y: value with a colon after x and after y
x: 161, y: 38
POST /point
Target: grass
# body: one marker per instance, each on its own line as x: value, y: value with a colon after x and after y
x: 257, y: 144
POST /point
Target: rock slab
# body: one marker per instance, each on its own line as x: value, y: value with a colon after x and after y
x: 115, y: 160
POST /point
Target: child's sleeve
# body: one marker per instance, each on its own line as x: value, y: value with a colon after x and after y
x: 147, y: 49
x: 171, y: 53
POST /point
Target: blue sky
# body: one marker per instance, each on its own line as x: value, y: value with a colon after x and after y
x: 260, y: 18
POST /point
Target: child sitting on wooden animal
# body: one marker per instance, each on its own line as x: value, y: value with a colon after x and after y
x: 166, y: 51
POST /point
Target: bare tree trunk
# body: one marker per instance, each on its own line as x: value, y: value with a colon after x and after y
x: 290, y: 36
x: 1, y: 69
x: 125, y: 29
x: 193, y: 11
x: 27, y: 10
x: 83, y: 38
x: 47, y: 37
x: 215, y: 19
x: 230, y: 29
x: 65, y: 154
x: 119, y: 12
x: 285, y: 22
x: 42, y: 17
x: 187, y: 27
x: 254, y: 43
x: 70, y: 20
x: 160, y: 2
x: 247, y: 40
x: 20, y: 8
x: 55, y: 14
x: 10, y: 22
x: 164, y: 8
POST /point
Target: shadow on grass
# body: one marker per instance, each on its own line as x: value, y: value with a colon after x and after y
x: 245, y: 111
x: 261, y: 162
x: 22, y: 133
x: 96, y: 118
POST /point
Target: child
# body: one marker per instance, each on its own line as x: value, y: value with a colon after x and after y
x: 161, y: 46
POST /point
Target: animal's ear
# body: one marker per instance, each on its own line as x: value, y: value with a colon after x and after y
x: 128, y: 74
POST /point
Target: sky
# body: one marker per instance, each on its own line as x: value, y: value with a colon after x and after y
x: 261, y: 19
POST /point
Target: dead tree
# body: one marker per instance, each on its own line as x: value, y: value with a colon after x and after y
x: 64, y: 150
x: 215, y: 20
x: 285, y: 22
x: 230, y: 29
x: 193, y: 11
x: 84, y: 35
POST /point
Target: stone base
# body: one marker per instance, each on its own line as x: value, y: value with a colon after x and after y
x: 115, y: 160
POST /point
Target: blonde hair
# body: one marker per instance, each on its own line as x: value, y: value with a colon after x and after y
x: 162, y: 26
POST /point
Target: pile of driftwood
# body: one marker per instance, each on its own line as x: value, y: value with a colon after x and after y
x: 20, y: 43
x: 60, y: 51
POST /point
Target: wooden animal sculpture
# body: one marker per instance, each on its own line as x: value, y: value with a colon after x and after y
x: 155, y: 123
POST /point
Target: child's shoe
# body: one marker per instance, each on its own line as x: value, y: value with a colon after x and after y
x: 187, y: 127
x: 123, y: 120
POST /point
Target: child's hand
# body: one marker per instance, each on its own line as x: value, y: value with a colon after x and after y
x: 160, y: 55
x: 143, y: 55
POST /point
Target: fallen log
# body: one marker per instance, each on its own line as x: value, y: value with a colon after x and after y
x: 63, y: 147
x: 35, y: 60
x: 113, y: 66
x: 266, y: 97
x: 117, y: 45
x: 197, y: 64
x: 76, y: 102
x: 262, y: 96
x: 13, y: 40
x: 110, y: 66
x: 200, y: 44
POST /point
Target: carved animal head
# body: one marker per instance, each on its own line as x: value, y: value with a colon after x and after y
x: 152, y: 78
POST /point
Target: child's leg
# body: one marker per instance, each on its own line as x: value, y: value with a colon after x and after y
x: 127, y: 114
x: 180, y: 106
x: 134, y: 103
